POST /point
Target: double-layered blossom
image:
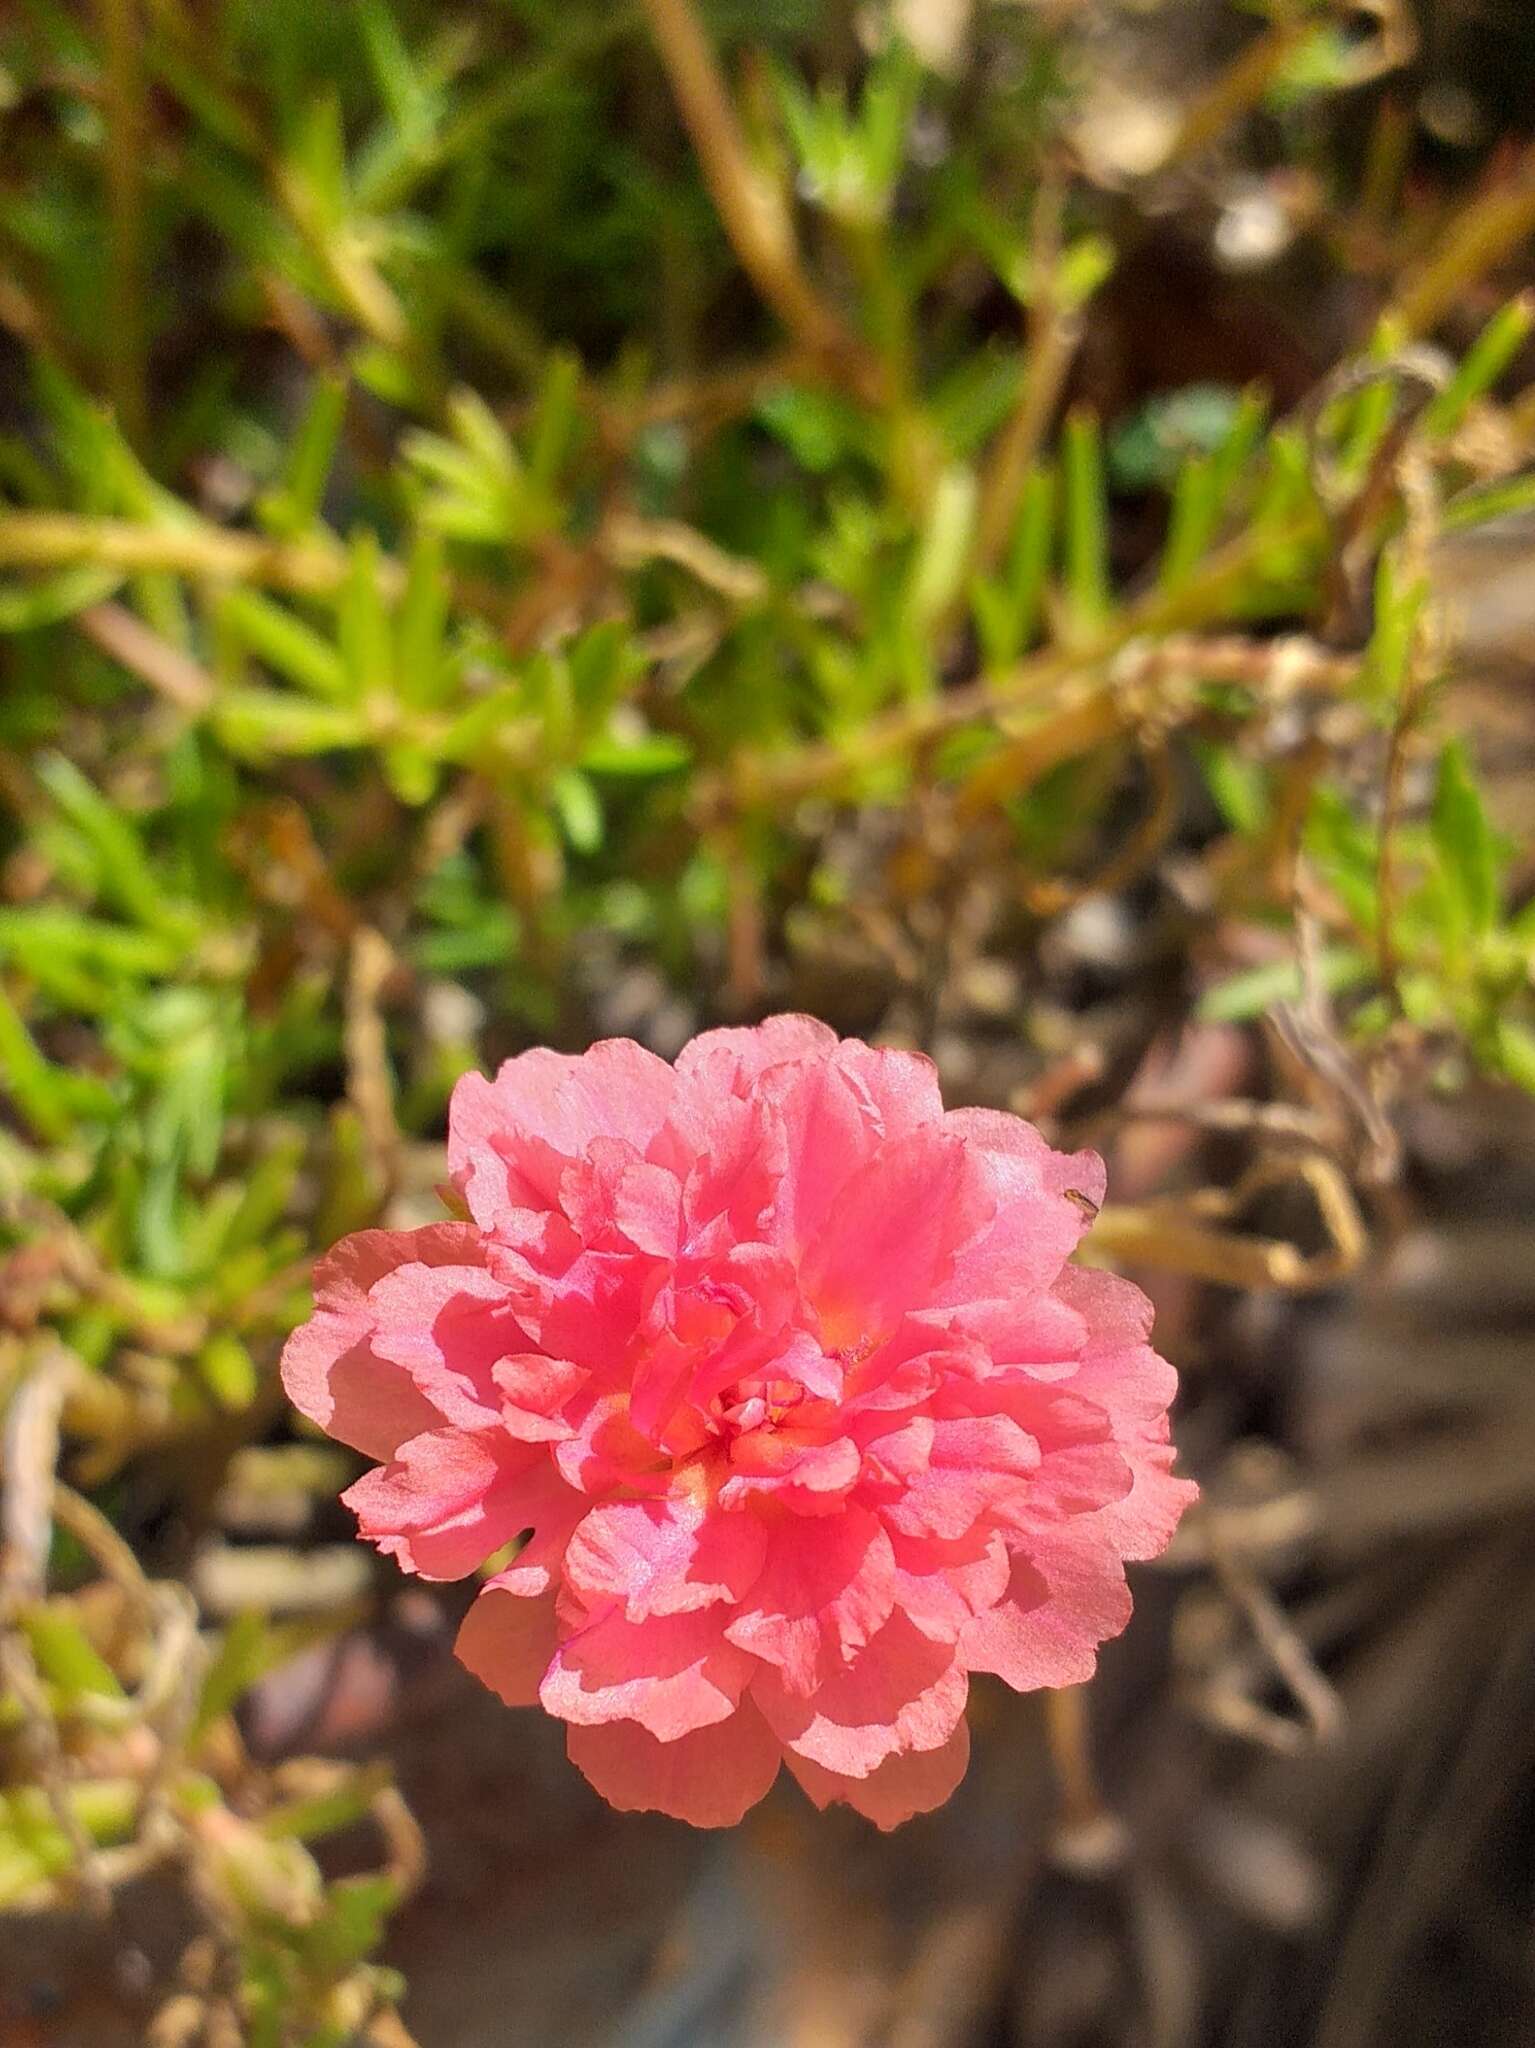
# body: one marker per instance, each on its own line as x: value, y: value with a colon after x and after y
x: 778, y: 1374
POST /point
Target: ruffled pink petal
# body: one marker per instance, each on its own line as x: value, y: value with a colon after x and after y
x: 902, y: 1086
x: 680, y: 1334
x: 666, y: 1556
x: 509, y: 1139
x: 941, y: 1586
x: 1083, y: 1467
x: 831, y: 1127
x: 617, y: 1201
x: 330, y: 1371
x: 533, y: 1393
x: 978, y: 1466
x: 800, y: 1474
x: 729, y: 1155
x: 897, y: 1789
x: 1117, y: 1367
x: 550, y: 1511
x: 709, y: 1778
x: 826, y: 1587
x: 737, y: 1318
x: 446, y: 1325
x: 901, y: 1692
x: 1039, y: 1333
x: 1120, y: 1373
x: 672, y: 1673
x: 892, y: 1238
x: 1143, y: 1523
x: 507, y: 1640
x: 1037, y: 1222
x: 727, y: 1062
x: 605, y: 1453
x: 443, y: 1504
x: 1066, y: 1596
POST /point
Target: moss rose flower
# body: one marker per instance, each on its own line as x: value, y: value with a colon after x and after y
x: 785, y: 1371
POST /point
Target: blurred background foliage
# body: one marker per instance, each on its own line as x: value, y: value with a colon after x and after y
x: 522, y: 521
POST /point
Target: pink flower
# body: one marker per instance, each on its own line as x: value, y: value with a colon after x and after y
x: 785, y: 1371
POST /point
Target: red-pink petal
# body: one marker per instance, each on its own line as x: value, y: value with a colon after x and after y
x: 330, y: 1370
x: 605, y: 1452
x: 1037, y: 1223
x: 831, y: 1127
x: 443, y: 1504
x: 729, y: 1061
x: 901, y: 1692
x: 507, y: 1640
x: 941, y: 1586
x: 446, y: 1325
x: 1066, y: 1596
x: 508, y: 1139
x: 891, y: 1240
x: 666, y: 1556
x: 902, y: 1086
x: 617, y: 1200
x: 710, y: 1777
x: 672, y: 1673
x: 1122, y: 1374
x: 331, y: 1373
x: 800, y: 1474
x: 534, y: 1391
x: 825, y: 1588
x: 896, y: 1790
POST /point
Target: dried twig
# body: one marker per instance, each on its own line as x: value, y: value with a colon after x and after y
x: 1052, y: 332
x: 31, y: 1446
x: 370, y: 1083
x: 127, y: 111
x: 1178, y: 1236
x: 124, y: 635
x: 1286, y: 1651
x: 753, y: 211
x: 630, y: 541
x: 55, y: 540
x: 1474, y: 241
x: 1089, y: 1837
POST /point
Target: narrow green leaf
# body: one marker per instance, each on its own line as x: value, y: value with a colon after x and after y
x: 579, y: 808
x: 125, y: 877
x: 1486, y: 502
x: 65, y: 1654
x: 1085, y: 525
x: 1463, y: 839
x: 1028, y: 565
x: 656, y: 753
x: 48, y: 599
x: 556, y: 419
x: 1238, y: 785
x: 1516, y: 1052
x: 1249, y: 994
x: 1483, y: 364
x: 366, y: 636
x: 281, y: 639
x: 228, y: 1371
x: 263, y: 723
x: 943, y: 548
x: 307, y: 471
x: 1192, y: 521
x: 33, y: 1083
x: 1394, y: 642
x: 422, y: 623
